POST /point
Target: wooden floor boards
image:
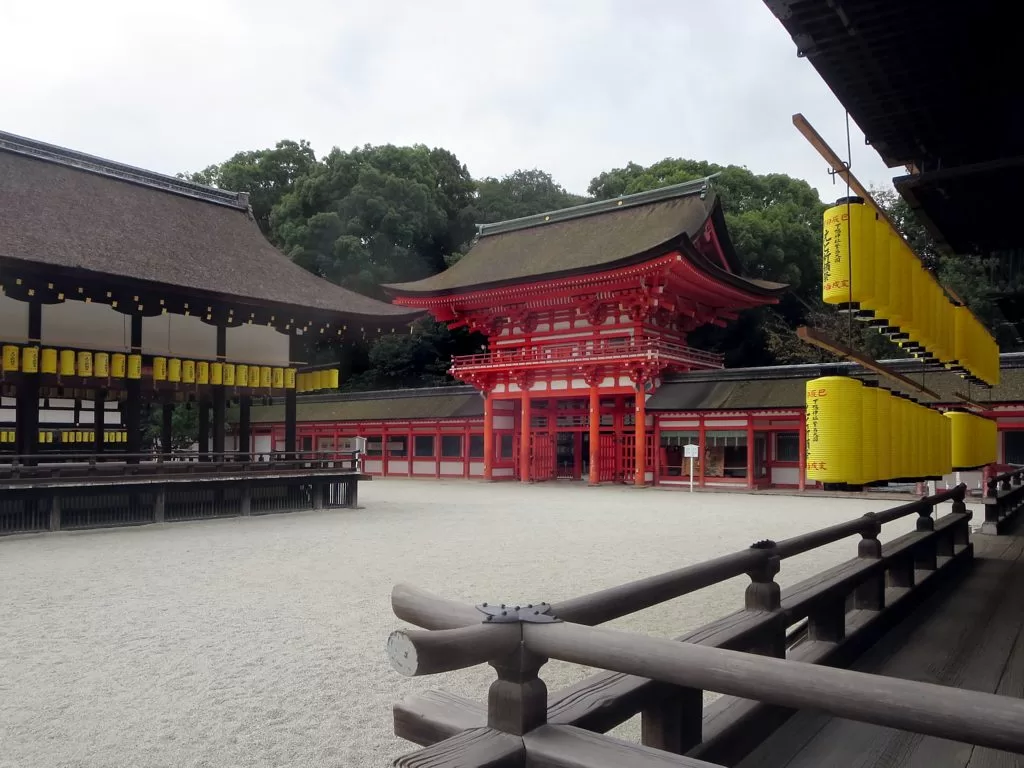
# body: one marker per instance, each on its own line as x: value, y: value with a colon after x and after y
x: 971, y: 638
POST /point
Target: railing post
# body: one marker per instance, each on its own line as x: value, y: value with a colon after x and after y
x: 245, y: 503
x: 517, y: 702
x: 925, y: 551
x: 764, y: 594
x: 675, y: 723
x: 54, y: 510
x: 160, y: 504
x: 870, y: 596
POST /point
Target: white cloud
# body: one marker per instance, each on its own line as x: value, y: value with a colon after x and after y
x: 573, y: 87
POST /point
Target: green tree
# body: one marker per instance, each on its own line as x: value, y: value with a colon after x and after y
x: 377, y: 214
x: 266, y: 174
x: 184, y: 426
x: 520, y: 193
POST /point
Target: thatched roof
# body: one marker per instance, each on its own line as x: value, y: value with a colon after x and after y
x: 435, y: 403
x: 65, y: 210
x: 594, y: 237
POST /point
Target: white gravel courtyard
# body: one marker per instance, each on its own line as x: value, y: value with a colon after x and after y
x: 259, y: 642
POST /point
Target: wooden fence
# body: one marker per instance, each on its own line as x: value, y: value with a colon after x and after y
x: 828, y: 619
x: 1004, y: 498
x: 89, y: 491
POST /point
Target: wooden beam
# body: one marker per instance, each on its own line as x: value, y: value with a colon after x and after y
x: 427, y: 610
x: 432, y: 716
x: 822, y: 341
x: 562, y: 746
x: 415, y: 652
x: 983, y: 719
x: 479, y: 748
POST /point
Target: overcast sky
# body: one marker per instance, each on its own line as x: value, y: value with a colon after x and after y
x: 573, y: 87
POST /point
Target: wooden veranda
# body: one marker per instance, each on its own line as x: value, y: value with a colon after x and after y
x: 931, y: 623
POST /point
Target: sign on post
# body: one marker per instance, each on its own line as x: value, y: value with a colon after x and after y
x: 691, y: 452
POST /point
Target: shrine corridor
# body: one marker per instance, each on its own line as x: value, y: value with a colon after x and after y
x: 260, y: 641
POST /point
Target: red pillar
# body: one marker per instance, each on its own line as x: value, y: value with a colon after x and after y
x: 524, y: 440
x: 488, y: 436
x: 595, y: 435
x: 750, y: 454
x: 640, y: 432
x: 802, y: 481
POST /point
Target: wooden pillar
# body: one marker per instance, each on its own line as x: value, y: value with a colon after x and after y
x: 488, y: 436
x: 26, y: 404
x: 640, y: 432
x: 98, y: 403
x: 750, y: 452
x: 524, y: 439
x: 618, y: 434
x: 595, y: 435
x: 245, y: 427
x: 204, y: 430
x: 220, y: 397
x: 701, y: 452
x: 167, y: 429
x: 803, y: 453
x: 291, y: 403
x: 133, y: 388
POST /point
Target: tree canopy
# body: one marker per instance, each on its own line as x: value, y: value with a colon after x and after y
x: 378, y: 214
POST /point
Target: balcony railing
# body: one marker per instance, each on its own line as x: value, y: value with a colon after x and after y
x: 590, y: 352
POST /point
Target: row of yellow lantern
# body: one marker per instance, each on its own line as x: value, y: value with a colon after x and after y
x: 974, y: 440
x: 67, y: 436
x: 869, y: 268
x: 117, y: 365
x: 858, y: 434
x: 70, y: 362
x: 311, y: 381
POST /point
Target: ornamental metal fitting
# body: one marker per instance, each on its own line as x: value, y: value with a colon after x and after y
x: 763, y: 544
x: 507, y: 614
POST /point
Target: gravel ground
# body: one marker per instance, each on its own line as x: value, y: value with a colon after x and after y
x: 259, y: 642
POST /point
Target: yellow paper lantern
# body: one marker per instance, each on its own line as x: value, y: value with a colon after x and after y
x: 188, y: 371
x: 12, y: 356
x: 48, y: 360
x: 67, y: 362
x: 202, y: 372
x: 834, y: 415
x: 217, y: 374
x: 30, y: 360
x: 84, y: 363
x: 134, y: 366
x: 242, y: 375
x: 174, y: 370
x: 101, y: 364
x: 118, y: 365
x: 265, y: 376
x: 277, y: 378
x: 229, y: 375
x: 315, y: 381
x: 159, y: 369
x: 869, y: 433
x: 848, y: 245
x: 289, y: 378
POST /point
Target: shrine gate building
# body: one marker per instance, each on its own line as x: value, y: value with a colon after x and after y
x: 585, y: 310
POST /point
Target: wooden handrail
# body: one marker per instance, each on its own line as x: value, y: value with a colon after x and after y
x: 425, y: 609
x: 983, y: 719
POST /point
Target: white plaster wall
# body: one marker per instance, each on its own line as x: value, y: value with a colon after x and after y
x: 785, y: 475
x: 257, y: 344
x: 423, y: 467
x: 503, y: 472
x: 398, y: 466
x: 13, y: 318
x: 262, y: 444
x: 78, y: 324
x: 504, y: 422
x: 179, y: 336
x: 376, y: 466
x: 451, y: 467
x: 476, y: 469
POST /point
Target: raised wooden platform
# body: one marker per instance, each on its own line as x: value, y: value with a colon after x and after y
x: 971, y: 637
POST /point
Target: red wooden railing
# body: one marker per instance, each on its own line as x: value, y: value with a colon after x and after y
x: 602, y: 350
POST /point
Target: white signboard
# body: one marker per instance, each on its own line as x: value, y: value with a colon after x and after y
x: 690, y: 451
